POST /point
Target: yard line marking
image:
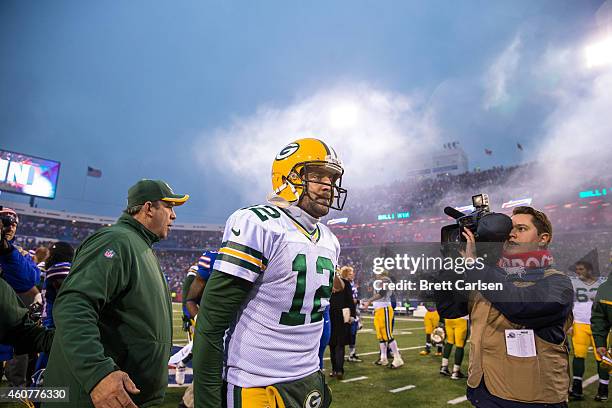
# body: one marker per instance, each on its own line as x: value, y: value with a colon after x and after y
x: 398, y: 319
x: 408, y: 387
x: 354, y: 379
x: 590, y: 380
x: 457, y: 400
x: 378, y: 352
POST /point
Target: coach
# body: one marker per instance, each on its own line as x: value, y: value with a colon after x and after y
x: 518, y: 353
x: 113, y: 313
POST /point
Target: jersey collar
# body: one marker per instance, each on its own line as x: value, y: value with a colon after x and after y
x: 305, y: 223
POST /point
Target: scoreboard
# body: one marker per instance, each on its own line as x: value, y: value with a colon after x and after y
x: 29, y: 175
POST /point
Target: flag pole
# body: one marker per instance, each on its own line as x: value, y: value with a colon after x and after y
x: 83, y: 189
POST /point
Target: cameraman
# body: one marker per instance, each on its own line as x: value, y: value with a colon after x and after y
x: 20, y: 272
x: 518, y: 354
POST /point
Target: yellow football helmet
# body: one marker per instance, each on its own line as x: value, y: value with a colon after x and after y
x: 438, y: 335
x: 289, y: 172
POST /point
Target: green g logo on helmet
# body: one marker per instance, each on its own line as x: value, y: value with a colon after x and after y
x: 288, y: 170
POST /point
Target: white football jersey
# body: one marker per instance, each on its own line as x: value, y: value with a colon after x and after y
x: 276, y: 335
x: 584, y: 294
x: 385, y: 292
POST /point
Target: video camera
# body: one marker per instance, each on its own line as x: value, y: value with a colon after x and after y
x: 6, y: 220
x: 487, y: 226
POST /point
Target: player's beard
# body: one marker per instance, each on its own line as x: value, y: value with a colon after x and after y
x: 310, y: 203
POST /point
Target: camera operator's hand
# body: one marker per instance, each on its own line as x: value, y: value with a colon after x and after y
x: 470, y: 246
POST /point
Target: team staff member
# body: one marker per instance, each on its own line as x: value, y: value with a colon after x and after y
x: 113, y: 314
x: 341, y: 299
x: 601, y: 322
x: 534, y: 307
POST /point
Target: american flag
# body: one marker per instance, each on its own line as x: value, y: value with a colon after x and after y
x: 91, y: 172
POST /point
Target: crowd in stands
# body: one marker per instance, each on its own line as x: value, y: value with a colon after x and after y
x: 427, y: 197
x: 32, y: 228
x: 577, y: 218
x: 581, y: 226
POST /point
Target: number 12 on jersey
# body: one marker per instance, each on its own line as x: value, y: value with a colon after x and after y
x: 294, y: 317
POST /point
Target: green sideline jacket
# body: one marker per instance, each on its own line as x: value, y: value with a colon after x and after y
x: 601, y: 315
x: 113, y: 312
x: 15, y: 327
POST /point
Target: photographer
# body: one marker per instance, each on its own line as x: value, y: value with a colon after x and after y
x: 21, y: 273
x: 18, y: 268
x: 16, y: 328
x: 518, y: 354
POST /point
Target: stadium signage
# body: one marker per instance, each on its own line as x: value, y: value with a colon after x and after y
x: 516, y: 203
x: 335, y: 221
x: 593, y: 193
x: 393, y: 216
x: 29, y: 175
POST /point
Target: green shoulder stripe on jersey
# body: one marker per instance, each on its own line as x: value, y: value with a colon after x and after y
x: 245, y: 249
x: 239, y: 262
x: 314, y: 236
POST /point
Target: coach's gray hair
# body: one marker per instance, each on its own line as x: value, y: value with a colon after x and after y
x: 135, y: 209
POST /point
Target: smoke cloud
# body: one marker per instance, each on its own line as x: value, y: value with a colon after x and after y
x: 378, y: 134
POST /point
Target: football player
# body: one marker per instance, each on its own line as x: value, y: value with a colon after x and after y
x: 57, y: 267
x: 196, y: 289
x: 383, y: 321
x: 261, y: 317
x: 456, y: 333
x: 585, y: 288
x: 200, y: 273
x: 187, y: 316
x: 431, y: 320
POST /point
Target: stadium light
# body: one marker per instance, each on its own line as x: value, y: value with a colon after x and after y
x: 343, y: 115
x: 599, y: 54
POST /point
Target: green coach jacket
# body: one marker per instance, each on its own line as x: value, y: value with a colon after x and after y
x: 601, y: 315
x: 16, y: 328
x: 113, y: 312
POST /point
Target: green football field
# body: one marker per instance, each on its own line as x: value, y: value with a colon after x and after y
x: 416, y: 384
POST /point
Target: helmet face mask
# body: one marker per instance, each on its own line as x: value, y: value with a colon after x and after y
x: 338, y: 194
x: 291, y: 171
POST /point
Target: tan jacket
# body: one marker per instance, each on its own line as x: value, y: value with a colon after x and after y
x: 540, y: 379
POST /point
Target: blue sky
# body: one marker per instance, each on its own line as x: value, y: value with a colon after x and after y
x: 175, y: 90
